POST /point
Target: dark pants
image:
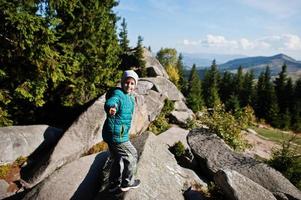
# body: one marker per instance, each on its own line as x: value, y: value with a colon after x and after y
x: 124, y: 163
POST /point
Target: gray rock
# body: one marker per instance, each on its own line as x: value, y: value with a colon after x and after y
x: 161, y: 177
x: 76, y: 140
x: 173, y: 135
x: 181, y: 117
x: 153, y: 66
x: 16, y: 141
x: 4, y: 189
x: 143, y: 87
x: 166, y: 87
x: 181, y: 106
x: 238, y: 187
x: 181, y: 114
x: 77, y: 180
x: 214, y: 155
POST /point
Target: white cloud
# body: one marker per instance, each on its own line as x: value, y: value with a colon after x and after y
x: 218, y: 41
x: 273, y: 43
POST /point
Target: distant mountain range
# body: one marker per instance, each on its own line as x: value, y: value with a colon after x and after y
x: 258, y: 64
x: 203, y: 60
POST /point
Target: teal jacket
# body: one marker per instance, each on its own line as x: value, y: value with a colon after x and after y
x: 116, y: 128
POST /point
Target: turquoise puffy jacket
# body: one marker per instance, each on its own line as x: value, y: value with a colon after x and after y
x: 116, y: 128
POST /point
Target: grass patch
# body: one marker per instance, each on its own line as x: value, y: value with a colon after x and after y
x: 7, y: 168
x: 99, y: 147
x: 161, y: 123
x: 277, y: 135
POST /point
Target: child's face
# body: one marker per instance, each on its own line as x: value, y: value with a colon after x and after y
x: 128, y: 85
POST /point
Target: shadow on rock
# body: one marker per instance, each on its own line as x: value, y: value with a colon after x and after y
x: 38, y: 160
x: 94, y: 179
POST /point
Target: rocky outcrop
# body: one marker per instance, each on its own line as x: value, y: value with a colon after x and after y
x: 83, y: 133
x: 181, y: 114
x: 153, y: 66
x: 16, y: 141
x: 76, y: 140
x: 77, y: 180
x: 161, y: 177
x: 238, y: 187
x: 214, y: 155
x: 166, y: 87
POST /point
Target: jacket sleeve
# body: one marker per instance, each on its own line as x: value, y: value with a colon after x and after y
x: 113, y: 101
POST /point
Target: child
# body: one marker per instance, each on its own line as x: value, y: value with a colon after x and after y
x: 119, y: 108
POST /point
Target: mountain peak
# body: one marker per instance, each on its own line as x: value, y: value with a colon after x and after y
x: 284, y: 57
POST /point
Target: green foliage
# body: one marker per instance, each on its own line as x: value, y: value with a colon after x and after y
x: 140, y: 59
x: 54, y: 54
x: 194, y: 97
x: 99, y: 147
x: 210, y: 86
x: 190, y: 124
x: 178, y: 149
x: 6, y: 168
x: 173, y: 74
x: 182, y: 83
x: 167, y: 56
x: 288, y: 162
x: 225, y: 125
x: 123, y: 37
x: 161, y: 123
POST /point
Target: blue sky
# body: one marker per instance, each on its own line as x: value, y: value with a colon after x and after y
x: 247, y: 27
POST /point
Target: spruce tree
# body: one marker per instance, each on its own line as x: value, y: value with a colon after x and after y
x: 238, y: 83
x: 123, y: 37
x: 226, y: 88
x: 210, y: 89
x: 247, y: 94
x: 280, y: 83
x: 182, y: 81
x: 53, y: 54
x: 90, y: 45
x: 296, y: 111
x: 140, y: 59
x: 266, y: 101
x: 194, y: 97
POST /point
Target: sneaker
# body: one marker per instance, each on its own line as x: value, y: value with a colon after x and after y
x: 136, y: 184
x: 113, y: 187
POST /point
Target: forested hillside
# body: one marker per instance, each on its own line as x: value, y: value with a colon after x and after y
x: 58, y: 56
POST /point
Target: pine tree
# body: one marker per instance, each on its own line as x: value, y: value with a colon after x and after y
x: 139, y: 56
x: 210, y: 89
x: 280, y: 83
x: 238, y: 83
x: 90, y: 44
x: 182, y: 81
x: 296, y: 111
x: 248, y: 89
x: 194, y: 97
x: 123, y: 37
x: 167, y: 56
x: 226, y: 88
x: 55, y: 54
x: 266, y: 102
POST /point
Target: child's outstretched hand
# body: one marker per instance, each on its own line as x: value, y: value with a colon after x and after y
x: 112, y: 111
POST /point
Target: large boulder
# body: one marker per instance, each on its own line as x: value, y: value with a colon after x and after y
x: 181, y: 114
x: 77, y: 180
x: 173, y: 135
x: 214, y: 155
x: 238, y: 187
x: 16, y: 141
x: 161, y: 177
x: 166, y: 87
x: 76, y: 140
x: 153, y: 66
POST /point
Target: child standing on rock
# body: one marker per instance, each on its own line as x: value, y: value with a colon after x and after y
x: 120, y: 108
